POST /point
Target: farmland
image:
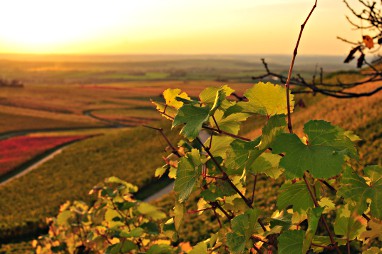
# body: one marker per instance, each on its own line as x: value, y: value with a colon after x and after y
x: 17, y: 150
x: 63, y: 101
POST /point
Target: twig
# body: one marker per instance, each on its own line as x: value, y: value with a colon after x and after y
x: 254, y: 187
x: 225, y: 175
x: 174, y: 150
x: 323, y: 220
x: 291, y: 67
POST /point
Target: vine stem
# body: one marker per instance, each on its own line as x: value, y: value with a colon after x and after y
x: 174, y: 150
x: 287, y: 84
x: 226, y: 178
x: 322, y: 218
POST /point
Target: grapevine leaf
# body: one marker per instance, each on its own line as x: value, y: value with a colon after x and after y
x: 314, y: 216
x: 208, y: 95
x: 179, y: 211
x: 268, y: 164
x: 296, y: 195
x: 136, y: 232
x: 230, y: 123
x: 189, y: 170
x: 167, y: 112
x: 373, y: 250
x: 219, y: 145
x: 374, y: 231
x: 238, y: 155
x: 193, y: 117
x: 219, y: 190
x: 291, y: 241
x: 328, y: 204
x: 63, y: 218
x: 170, y: 96
x: 275, y: 125
x: 128, y: 186
x: 324, y: 241
x: 266, y: 99
x: 323, y: 156
x: 219, y: 98
x: 151, y: 211
x: 151, y: 228
x: 160, y: 171
x: 355, y: 188
x: 200, y: 248
x: 281, y: 219
x: 243, y: 226
x: 348, y: 223
x: 159, y: 249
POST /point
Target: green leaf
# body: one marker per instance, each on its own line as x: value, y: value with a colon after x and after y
x: 208, y: 95
x: 374, y: 231
x: 136, y: 232
x: 291, y: 241
x: 296, y: 195
x: 348, y: 223
x: 238, y: 155
x: 170, y: 96
x: 230, y: 123
x: 243, y: 226
x: 275, y: 126
x: 200, y: 248
x: 266, y: 99
x: 354, y: 187
x: 219, y: 145
x: 219, y: 98
x: 179, y: 211
x: 314, y: 216
x: 323, y: 156
x: 63, y: 218
x: 160, y: 171
x: 128, y: 246
x: 220, y: 189
x: 268, y: 164
x: 281, y: 219
x: 151, y: 228
x: 128, y: 186
x: 151, y: 211
x: 193, y: 117
x: 170, y: 113
x: 159, y: 249
x: 373, y: 250
x: 189, y: 170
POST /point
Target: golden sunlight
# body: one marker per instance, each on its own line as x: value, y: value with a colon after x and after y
x: 169, y: 26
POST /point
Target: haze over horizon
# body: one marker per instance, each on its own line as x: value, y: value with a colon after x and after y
x: 173, y: 27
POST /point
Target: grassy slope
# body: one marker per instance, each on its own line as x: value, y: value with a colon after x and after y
x: 130, y: 155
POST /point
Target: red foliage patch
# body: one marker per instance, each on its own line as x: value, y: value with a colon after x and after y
x: 15, y: 151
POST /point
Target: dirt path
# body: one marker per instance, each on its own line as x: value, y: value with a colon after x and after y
x: 34, y: 165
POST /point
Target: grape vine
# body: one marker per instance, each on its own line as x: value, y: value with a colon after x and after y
x: 322, y: 205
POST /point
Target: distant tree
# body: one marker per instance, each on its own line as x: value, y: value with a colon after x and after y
x: 367, y: 17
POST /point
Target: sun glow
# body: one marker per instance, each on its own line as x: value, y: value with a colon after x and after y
x: 169, y: 26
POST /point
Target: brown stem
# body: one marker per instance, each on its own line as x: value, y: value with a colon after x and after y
x: 225, y: 176
x: 218, y: 206
x: 174, y: 150
x: 291, y: 67
x: 254, y: 187
x: 216, y: 123
x: 323, y: 220
x: 225, y: 133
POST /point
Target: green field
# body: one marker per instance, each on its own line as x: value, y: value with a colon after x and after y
x: 99, y: 97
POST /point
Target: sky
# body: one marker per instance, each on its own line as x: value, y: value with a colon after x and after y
x: 173, y: 27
